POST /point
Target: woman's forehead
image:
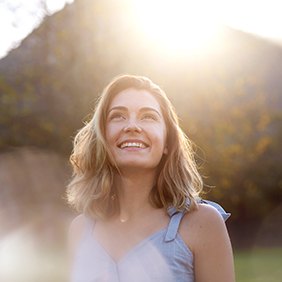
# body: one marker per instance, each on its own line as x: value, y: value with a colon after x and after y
x: 135, y: 98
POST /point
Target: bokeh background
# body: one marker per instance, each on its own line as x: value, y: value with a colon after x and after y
x: 227, y: 92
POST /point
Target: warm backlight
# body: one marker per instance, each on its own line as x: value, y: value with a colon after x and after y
x: 178, y: 25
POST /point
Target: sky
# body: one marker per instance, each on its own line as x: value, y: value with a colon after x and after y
x: 19, y: 17
x: 262, y: 17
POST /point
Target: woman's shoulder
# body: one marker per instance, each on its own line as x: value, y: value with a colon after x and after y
x: 205, y: 233
x: 204, y: 224
x: 206, y: 212
x: 203, y: 215
x: 76, y: 229
x: 225, y: 215
x: 78, y: 221
x: 77, y: 224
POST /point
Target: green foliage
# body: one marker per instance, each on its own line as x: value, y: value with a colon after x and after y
x: 243, y: 154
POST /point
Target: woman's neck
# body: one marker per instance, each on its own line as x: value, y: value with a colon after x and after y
x: 133, y: 194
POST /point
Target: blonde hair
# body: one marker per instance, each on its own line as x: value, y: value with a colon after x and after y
x: 92, y: 190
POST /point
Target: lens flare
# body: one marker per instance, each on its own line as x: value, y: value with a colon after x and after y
x: 17, y: 252
x: 178, y: 25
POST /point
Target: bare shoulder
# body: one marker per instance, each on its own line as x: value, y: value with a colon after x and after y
x: 202, y: 225
x: 209, y: 215
x: 77, y: 223
x: 76, y: 229
x: 204, y: 232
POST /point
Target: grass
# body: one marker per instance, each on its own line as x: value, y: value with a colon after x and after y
x: 258, y: 265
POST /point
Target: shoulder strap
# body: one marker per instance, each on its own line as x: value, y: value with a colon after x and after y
x: 176, y: 216
x: 173, y: 225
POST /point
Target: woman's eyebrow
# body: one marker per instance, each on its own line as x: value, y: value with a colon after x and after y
x: 144, y: 109
x: 121, y: 108
x: 149, y: 109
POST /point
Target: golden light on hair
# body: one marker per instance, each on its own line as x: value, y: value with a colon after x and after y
x: 91, y: 188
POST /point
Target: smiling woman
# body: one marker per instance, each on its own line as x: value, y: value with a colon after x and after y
x: 137, y: 187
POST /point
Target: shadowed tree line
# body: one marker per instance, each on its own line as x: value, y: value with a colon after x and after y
x: 228, y: 98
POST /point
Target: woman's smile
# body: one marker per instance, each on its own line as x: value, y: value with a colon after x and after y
x: 133, y: 144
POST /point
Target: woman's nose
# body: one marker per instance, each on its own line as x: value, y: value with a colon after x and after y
x: 132, y: 125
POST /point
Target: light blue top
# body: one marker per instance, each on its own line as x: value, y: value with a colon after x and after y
x: 163, y: 256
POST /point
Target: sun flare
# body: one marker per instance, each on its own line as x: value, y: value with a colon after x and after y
x: 180, y: 25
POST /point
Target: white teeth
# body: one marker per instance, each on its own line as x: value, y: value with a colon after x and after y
x: 132, y: 144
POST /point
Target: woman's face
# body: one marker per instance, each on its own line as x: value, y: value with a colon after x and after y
x: 136, y: 130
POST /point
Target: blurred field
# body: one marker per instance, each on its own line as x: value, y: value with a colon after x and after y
x: 259, y: 265
x: 34, y: 217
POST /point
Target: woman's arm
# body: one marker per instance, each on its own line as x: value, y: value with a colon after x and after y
x: 210, y: 243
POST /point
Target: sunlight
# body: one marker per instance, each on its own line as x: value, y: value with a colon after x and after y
x: 17, y: 252
x: 259, y: 17
x: 25, y: 256
x: 178, y: 26
x: 186, y: 26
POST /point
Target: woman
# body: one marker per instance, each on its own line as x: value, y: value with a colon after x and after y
x: 137, y: 187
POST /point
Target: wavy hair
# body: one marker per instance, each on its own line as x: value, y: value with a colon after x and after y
x: 91, y: 189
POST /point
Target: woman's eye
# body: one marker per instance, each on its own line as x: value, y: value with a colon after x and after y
x: 149, y: 117
x: 116, y: 116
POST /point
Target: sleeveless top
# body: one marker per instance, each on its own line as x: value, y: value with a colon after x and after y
x: 163, y: 256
